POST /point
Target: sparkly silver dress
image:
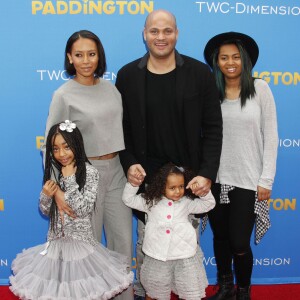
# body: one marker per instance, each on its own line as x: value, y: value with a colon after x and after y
x: 72, y: 264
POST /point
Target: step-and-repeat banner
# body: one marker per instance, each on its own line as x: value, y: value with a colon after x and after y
x: 33, y: 37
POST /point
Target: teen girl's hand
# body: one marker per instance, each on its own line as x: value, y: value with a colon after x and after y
x: 50, y: 188
x: 69, y: 170
x: 200, y: 186
x: 62, y: 206
x: 263, y: 194
x: 136, y: 175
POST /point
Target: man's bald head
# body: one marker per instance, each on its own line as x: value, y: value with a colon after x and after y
x: 156, y: 13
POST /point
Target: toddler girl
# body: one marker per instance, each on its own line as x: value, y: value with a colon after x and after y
x: 173, y: 259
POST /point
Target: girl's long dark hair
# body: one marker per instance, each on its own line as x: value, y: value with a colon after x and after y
x: 53, y: 167
x: 246, y: 82
x: 156, y: 188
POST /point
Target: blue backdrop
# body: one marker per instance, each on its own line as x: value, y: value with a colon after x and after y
x: 33, y: 37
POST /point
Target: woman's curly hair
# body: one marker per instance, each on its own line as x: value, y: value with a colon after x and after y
x: 155, y: 190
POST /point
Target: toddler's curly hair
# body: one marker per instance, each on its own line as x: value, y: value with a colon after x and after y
x: 156, y: 188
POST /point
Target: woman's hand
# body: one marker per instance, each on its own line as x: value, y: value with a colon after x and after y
x: 50, y: 188
x: 263, y: 194
x: 62, y: 205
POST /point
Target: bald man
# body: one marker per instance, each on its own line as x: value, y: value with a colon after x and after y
x: 171, y: 114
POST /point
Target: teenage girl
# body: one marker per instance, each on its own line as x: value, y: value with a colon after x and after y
x: 248, y: 160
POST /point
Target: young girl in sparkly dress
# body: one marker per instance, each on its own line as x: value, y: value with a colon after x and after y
x: 173, y: 259
x: 72, y: 264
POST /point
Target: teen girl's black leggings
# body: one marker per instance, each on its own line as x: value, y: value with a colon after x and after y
x: 232, y: 226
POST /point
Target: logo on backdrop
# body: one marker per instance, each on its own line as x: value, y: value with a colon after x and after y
x: 276, y: 78
x: 217, y: 7
x: 289, y: 143
x: 1, y: 204
x: 62, y: 75
x: 90, y: 7
x: 282, y: 204
x: 40, y: 140
x: 3, y: 262
x: 266, y: 261
x: 270, y: 261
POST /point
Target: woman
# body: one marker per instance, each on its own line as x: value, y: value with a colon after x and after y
x: 248, y: 160
x: 95, y: 106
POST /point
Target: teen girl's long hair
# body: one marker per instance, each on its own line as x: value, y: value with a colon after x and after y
x: 53, y: 167
x: 246, y: 82
x: 156, y: 188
